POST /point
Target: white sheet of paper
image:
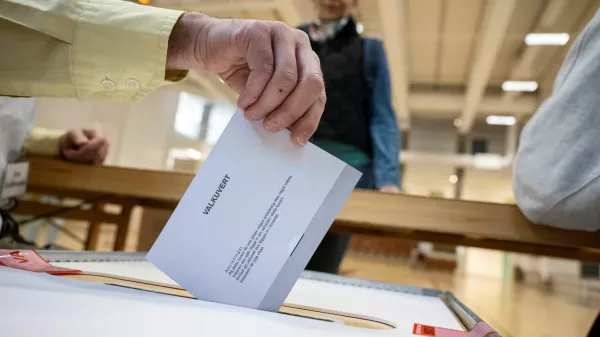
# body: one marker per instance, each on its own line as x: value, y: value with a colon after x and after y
x: 15, y: 180
x: 252, y: 217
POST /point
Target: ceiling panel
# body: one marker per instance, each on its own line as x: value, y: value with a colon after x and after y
x: 443, y: 35
x: 424, y: 24
x: 522, y: 22
x: 569, y: 23
x: 460, y: 24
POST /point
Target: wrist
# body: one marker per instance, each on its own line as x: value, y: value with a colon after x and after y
x: 185, y: 40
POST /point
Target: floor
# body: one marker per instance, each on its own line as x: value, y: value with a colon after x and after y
x: 513, y: 309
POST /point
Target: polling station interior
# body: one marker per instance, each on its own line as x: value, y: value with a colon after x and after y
x: 448, y: 254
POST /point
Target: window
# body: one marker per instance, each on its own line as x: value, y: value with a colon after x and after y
x: 190, y: 111
x: 479, y: 146
x: 219, y: 117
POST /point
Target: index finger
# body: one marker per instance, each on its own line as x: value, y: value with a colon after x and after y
x: 260, y: 59
x: 284, y: 79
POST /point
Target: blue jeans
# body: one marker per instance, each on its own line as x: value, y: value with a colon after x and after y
x: 329, y: 254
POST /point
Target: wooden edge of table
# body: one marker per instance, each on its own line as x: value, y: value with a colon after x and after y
x: 370, y: 212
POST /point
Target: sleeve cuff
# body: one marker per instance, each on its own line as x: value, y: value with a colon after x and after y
x: 43, y: 142
x: 120, y: 50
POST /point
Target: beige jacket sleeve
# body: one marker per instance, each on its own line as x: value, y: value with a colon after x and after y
x: 43, y: 142
x: 87, y: 49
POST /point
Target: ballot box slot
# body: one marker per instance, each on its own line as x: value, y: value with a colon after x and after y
x: 299, y: 311
x: 463, y: 315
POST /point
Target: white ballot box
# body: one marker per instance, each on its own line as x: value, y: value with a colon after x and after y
x: 117, y: 303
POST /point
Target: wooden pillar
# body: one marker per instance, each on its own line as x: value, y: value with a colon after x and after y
x: 404, y: 139
x: 93, y: 235
x: 459, y: 172
x: 123, y: 226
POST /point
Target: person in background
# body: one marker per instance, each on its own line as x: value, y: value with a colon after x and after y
x: 358, y: 125
x: 78, y: 145
x: 84, y: 146
x: 556, y: 176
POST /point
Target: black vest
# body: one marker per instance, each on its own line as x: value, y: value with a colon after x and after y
x: 346, y: 115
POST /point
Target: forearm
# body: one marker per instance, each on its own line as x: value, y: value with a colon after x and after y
x: 108, y: 49
x: 185, y: 38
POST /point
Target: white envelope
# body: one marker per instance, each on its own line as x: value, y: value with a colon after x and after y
x: 252, y: 217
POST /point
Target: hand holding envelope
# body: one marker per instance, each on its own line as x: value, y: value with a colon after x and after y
x: 271, y: 66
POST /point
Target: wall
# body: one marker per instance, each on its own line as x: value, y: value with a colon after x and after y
x: 494, y: 134
x: 148, y: 130
x: 435, y: 136
x: 138, y: 133
x: 109, y: 117
x: 439, y: 136
x: 423, y: 179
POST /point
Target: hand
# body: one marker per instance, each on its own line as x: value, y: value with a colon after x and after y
x: 84, y: 146
x: 389, y: 189
x: 270, y: 65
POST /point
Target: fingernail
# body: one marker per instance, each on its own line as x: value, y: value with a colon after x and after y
x: 271, y: 127
x: 243, y: 103
x: 301, y: 139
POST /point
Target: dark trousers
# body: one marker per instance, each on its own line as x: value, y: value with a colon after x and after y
x: 329, y: 254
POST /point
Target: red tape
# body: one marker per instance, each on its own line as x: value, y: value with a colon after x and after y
x: 480, y: 329
x: 31, y: 261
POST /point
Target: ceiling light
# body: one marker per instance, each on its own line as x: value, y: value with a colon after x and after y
x: 501, y: 120
x: 529, y: 86
x: 453, y: 179
x: 457, y: 122
x: 546, y: 39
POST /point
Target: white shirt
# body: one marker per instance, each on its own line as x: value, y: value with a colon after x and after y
x: 16, y: 121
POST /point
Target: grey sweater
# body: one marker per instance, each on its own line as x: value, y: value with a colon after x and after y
x: 556, y: 176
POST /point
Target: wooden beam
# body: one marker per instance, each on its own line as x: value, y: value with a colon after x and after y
x: 497, y: 17
x: 36, y: 209
x: 159, y: 186
x: 394, y: 23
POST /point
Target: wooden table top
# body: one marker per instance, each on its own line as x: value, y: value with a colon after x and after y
x: 460, y: 222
